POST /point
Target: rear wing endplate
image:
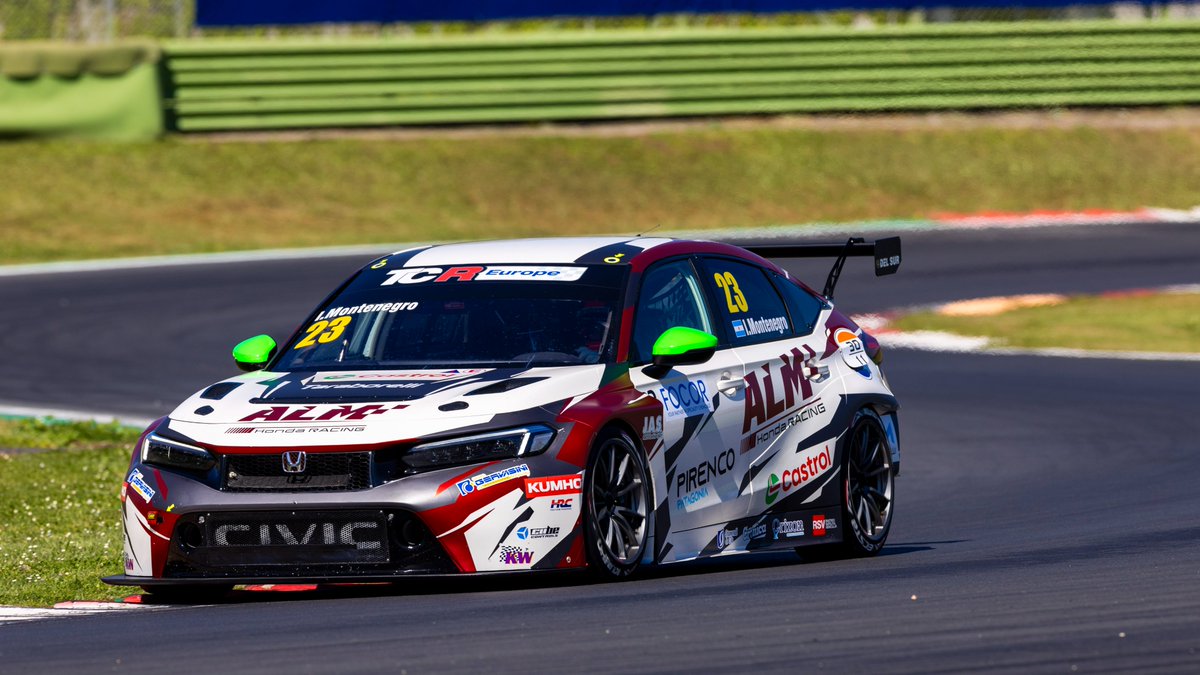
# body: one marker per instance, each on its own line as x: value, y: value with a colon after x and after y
x: 885, y: 251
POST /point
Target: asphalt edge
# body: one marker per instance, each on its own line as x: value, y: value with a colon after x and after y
x: 945, y: 221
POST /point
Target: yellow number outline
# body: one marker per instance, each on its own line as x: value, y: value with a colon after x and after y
x: 324, y: 332
x: 733, y: 294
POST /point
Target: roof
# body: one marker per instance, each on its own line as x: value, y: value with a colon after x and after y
x: 545, y: 250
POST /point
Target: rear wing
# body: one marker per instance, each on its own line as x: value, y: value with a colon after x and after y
x: 885, y: 251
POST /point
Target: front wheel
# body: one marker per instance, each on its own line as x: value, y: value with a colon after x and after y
x: 616, y: 506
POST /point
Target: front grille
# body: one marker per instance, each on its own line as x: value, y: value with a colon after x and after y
x: 303, y: 543
x: 324, y: 472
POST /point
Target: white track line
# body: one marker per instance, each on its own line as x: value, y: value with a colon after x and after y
x: 934, y: 341
x: 793, y: 231
x: 368, y: 251
x: 72, y: 415
x: 20, y: 614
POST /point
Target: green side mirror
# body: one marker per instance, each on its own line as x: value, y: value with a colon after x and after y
x: 681, y: 346
x: 253, y: 354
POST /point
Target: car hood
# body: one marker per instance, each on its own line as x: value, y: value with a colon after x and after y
x: 362, y: 407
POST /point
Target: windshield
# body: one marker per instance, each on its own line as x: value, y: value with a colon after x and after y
x: 506, y: 316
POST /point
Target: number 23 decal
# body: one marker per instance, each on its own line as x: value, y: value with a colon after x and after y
x: 324, y: 332
x: 733, y: 294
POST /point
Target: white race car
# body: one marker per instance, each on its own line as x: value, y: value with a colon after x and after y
x: 601, y: 403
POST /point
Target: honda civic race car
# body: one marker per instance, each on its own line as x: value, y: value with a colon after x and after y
x: 602, y: 403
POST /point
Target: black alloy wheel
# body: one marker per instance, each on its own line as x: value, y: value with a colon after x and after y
x: 868, y: 491
x: 616, y: 505
x: 869, y: 486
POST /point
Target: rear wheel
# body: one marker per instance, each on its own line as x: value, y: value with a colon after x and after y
x: 869, y: 485
x: 616, y: 506
x: 868, y: 489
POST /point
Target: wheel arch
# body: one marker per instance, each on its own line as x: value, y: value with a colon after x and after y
x: 882, y: 405
x: 625, y: 426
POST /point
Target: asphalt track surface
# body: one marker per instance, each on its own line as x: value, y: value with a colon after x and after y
x: 1048, y: 517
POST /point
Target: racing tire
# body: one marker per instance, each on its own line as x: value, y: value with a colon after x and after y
x: 617, y: 506
x: 868, y: 492
x: 187, y: 594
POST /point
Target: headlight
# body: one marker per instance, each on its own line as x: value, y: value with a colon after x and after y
x: 507, y: 444
x: 175, y: 455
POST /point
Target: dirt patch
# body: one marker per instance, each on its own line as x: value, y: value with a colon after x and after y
x: 1132, y: 118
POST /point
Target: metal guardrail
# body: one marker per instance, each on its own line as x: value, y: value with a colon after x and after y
x: 282, y: 84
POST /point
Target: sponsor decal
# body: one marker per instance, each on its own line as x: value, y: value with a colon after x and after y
x: 296, y: 430
x: 684, y: 399
x: 128, y: 563
x: 756, y: 531
x: 396, y: 375
x: 367, y: 308
x: 698, y: 476
x: 812, y: 463
x: 487, y: 480
x: 783, y: 528
x: 748, y: 327
x: 821, y: 524
x: 514, y: 555
x: 562, y: 504
x: 553, y: 486
x: 765, y: 436
x: 139, y: 485
x: 373, y: 386
x: 691, y: 499
x: 853, y: 352
x: 771, y: 391
x: 725, y: 537
x: 313, y: 413
x: 526, y: 533
x: 418, y: 275
x: 652, y: 428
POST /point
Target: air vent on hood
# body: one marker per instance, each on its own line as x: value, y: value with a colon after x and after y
x: 219, y: 390
x: 505, y: 385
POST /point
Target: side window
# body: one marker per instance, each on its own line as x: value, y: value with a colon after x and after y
x: 746, y: 301
x: 670, y: 297
x: 802, y: 305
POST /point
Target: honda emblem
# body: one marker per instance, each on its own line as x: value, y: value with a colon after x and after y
x: 295, y: 461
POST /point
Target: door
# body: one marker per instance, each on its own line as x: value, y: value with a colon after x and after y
x: 777, y: 335
x: 696, y: 467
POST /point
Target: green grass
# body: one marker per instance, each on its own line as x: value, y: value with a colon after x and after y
x: 87, y: 200
x: 1152, y: 323
x: 54, y: 19
x: 59, y: 512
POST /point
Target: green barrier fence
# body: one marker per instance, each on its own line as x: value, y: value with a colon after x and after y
x: 620, y: 75
x: 72, y: 90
